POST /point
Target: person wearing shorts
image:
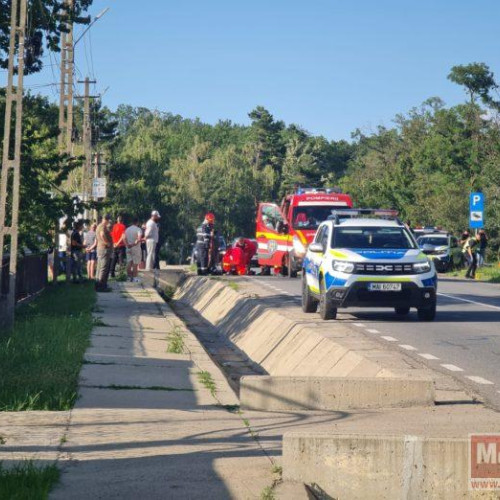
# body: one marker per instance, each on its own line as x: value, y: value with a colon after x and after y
x: 133, y: 240
x: 90, y: 242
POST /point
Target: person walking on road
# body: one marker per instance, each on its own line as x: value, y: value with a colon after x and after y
x: 90, y: 242
x: 472, y: 248
x: 77, y: 247
x: 104, y: 254
x: 119, y: 252
x: 481, y: 253
x: 133, y: 239
x: 151, y: 236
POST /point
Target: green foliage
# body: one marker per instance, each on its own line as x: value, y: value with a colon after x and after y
x: 28, y: 481
x: 41, y: 358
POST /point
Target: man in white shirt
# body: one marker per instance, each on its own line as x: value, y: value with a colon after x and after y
x: 151, y: 237
x: 134, y: 254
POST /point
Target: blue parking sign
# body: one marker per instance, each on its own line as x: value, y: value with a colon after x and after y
x: 476, y: 212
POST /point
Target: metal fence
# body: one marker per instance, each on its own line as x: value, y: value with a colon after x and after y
x: 31, y: 275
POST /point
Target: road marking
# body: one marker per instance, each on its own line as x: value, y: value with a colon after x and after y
x: 469, y: 301
x: 428, y: 356
x: 389, y: 339
x: 480, y: 380
x: 452, y: 368
x: 372, y: 330
x: 360, y: 325
x: 407, y: 347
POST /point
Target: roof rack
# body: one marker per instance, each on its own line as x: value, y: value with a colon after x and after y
x: 312, y: 190
x: 351, y: 213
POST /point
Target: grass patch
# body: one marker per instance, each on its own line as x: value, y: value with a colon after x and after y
x: 115, y: 387
x: 168, y: 293
x: 175, y: 341
x: 26, y: 481
x: 41, y: 357
x: 267, y: 493
x: 206, y: 379
x: 488, y: 273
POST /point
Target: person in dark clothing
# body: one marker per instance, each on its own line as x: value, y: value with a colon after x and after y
x: 207, y: 246
x: 77, y: 247
x: 483, y: 243
x: 472, y: 247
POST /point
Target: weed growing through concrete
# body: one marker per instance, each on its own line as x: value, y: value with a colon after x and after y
x: 25, y: 480
x: 175, y: 341
x: 87, y: 362
x: 267, y: 493
x: 168, y: 293
x: 206, y: 379
x: 97, y: 321
x: 63, y: 439
x: 2, y: 440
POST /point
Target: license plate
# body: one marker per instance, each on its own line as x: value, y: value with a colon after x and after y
x: 384, y: 287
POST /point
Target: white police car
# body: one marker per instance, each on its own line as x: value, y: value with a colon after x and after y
x: 367, y: 262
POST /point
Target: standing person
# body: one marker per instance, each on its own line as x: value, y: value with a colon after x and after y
x: 119, y: 253
x: 483, y: 243
x: 464, y: 242
x: 157, y: 249
x: 472, y: 248
x: 151, y: 236
x: 90, y: 242
x: 206, y: 243
x: 144, y: 252
x: 77, y: 247
x: 104, y: 254
x: 133, y: 239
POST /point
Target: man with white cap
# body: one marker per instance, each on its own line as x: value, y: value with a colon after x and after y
x: 151, y: 236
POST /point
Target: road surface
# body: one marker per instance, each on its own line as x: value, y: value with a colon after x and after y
x: 463, y: 341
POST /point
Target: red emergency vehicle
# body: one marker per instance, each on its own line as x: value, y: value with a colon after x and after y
x: 284, y: 232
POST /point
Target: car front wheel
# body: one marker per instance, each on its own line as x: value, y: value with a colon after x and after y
x: 309, y: 303
x: 427, y: 313
x: 326, y: 309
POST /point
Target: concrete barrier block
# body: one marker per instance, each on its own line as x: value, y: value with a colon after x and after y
x: 380, y: 467
x: 269, y: 393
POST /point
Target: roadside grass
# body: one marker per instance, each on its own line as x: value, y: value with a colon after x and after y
x: 488, y: 273
x: 41, y: 357
x: 27, y: 481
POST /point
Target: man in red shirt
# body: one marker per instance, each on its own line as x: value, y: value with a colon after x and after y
x: 119, y: 245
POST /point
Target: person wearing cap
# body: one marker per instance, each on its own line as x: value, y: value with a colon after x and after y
x: 151, y: 236
x: 104, y: 254
x: 207, y: 244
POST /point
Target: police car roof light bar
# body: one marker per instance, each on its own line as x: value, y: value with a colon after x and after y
x: 353, y: 212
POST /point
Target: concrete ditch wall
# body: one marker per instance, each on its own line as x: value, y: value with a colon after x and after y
x: 285, y: 345
x: 332, y: 393
x: 380, y: 467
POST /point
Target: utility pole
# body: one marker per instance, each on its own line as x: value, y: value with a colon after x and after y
x: 14, y: 96
x: 65, y: 112
x: 86, y: 183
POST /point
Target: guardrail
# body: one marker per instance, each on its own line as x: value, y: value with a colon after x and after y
x: 31, y: 275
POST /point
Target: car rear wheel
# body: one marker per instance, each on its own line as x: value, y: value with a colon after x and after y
x: 427, y: 313
x: 402, y: 311
x: 309, y: 303
x: 326, y: 309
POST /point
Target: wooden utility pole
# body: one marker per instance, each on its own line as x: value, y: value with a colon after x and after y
x: 11, y: 158
x: 65, y: 112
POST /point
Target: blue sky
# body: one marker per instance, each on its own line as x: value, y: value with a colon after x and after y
x: 328, y: 65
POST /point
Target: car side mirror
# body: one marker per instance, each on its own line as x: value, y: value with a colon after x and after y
x: 316, y: 247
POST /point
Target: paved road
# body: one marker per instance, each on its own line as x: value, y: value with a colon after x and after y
x: 464, y: 340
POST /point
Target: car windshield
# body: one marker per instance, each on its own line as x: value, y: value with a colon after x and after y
x: 311, y: 217
x: 432, y: 240
x: 368, y: 237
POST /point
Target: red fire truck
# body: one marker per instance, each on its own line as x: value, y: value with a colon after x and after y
x: 283, y: 233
